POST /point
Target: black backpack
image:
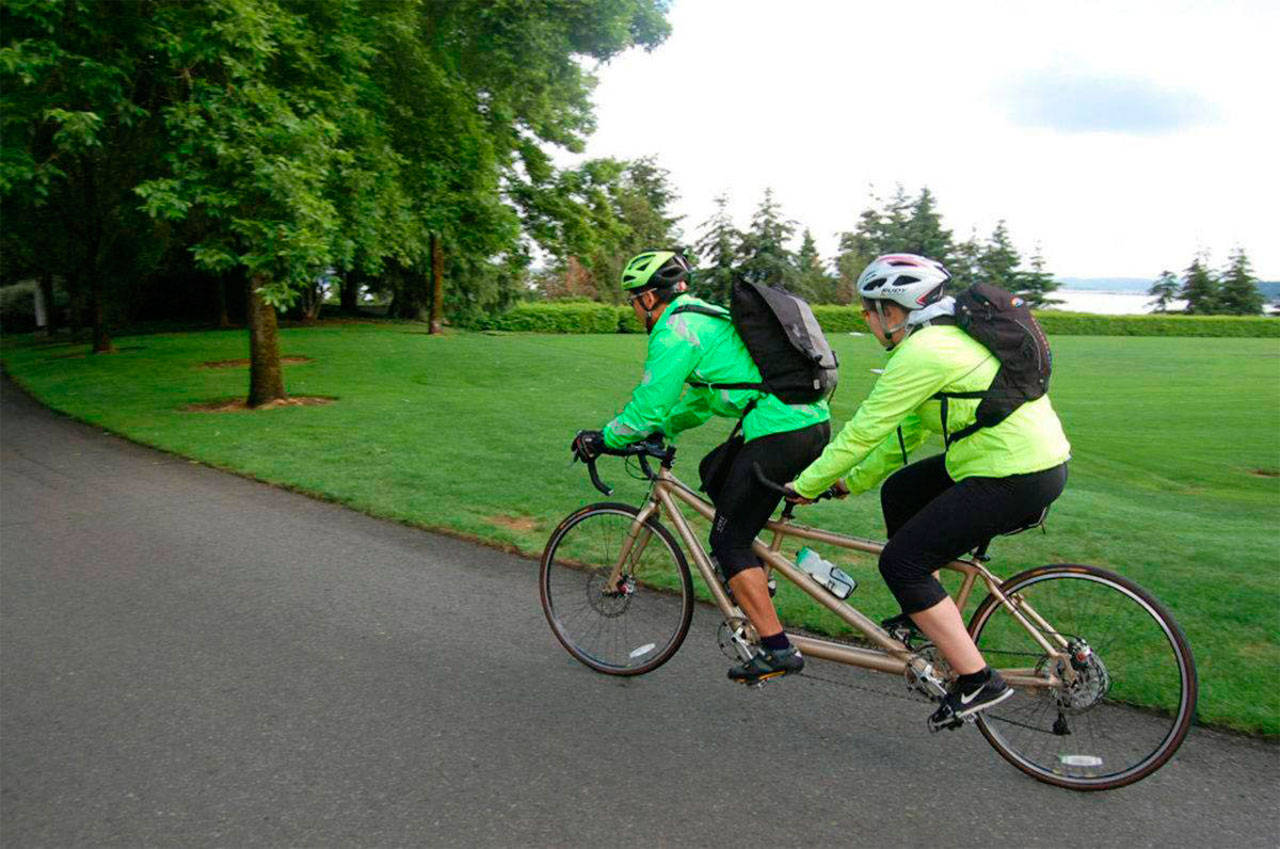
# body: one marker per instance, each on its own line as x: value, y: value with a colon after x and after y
x: 1003, y: 323
x: 784, y: 339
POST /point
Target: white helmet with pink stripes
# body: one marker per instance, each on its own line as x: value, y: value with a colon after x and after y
x: 912, y: 282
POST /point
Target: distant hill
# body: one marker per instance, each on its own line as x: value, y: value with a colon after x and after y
x: 1270, y: 289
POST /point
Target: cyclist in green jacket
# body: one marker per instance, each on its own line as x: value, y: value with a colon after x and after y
x: 687, y: 351
x: 995, y: 480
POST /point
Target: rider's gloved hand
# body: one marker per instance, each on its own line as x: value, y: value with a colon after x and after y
x: 795, y: 497
x: 588, y: 445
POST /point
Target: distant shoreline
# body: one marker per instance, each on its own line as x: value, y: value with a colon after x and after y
x: 1100, y: 302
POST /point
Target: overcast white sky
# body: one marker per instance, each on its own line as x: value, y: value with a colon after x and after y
x: 1122, y: 137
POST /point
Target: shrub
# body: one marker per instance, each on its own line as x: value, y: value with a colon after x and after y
x: 576, y: 317
x: 591, y: 317
x: 837, y: 319
x: 1083, y: 324
x: 18, y: 307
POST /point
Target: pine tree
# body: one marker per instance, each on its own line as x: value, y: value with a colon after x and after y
x: 1199, y: 288
x: 763, y: 252
x: 813, y: 282
x: 856, y: 249
x: 1239, y: 293
x: 1164, y: 290
x: 718, y: 254
x: 1036, y: 284
x: 923, y: 233
x: 999, y: 260
x: 963, y: 263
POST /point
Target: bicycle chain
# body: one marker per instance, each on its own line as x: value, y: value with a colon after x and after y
x: 879, y: 691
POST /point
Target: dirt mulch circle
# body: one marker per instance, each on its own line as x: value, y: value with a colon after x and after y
x: 245, y: 362
x: 82, y: 354
x: 239, y: 405
x: 520, y: 524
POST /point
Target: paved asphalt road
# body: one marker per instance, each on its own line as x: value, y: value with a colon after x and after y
x: 194, y: 659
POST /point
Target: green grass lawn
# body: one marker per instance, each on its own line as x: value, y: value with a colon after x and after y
x: 1174, y: 483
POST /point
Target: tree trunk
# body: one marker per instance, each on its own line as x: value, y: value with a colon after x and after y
x: 437, y: 285
x: 101, y: 339
x: 220, y: 301
x: 50, y: 311
x: 351, y: 292
x: 266, y: 381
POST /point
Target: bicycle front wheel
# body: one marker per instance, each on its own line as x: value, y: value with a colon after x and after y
x: 1128, y: 691
x: 617, y: 594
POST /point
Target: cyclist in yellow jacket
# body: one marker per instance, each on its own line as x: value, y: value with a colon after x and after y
x: 992, y: 481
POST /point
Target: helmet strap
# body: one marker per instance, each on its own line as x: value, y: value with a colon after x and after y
x: 885, y: 329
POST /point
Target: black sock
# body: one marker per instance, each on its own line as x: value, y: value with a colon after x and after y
x: 777, y: 642
x: 974, y: 679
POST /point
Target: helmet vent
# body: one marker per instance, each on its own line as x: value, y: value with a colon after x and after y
x: 906, y: 280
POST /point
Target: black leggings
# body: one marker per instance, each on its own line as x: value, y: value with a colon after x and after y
x: 744, y: 504
x: 931, y: 520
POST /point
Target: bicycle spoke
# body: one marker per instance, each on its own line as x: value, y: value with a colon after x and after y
x: 628, y: 627
x: 1125, y: 700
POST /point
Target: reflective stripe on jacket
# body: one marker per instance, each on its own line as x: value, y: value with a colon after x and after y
x: 703, y: 348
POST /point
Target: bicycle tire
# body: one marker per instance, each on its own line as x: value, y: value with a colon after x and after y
x: 615, y: 633
x: 1136, y: 687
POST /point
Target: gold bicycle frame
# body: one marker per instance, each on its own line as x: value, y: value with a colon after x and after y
x: 890, y: 655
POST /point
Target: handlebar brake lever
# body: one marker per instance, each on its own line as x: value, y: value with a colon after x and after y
x: 595, y: 478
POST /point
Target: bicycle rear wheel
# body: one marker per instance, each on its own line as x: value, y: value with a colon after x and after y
x: 624, y: 627
x: 1133, y: 691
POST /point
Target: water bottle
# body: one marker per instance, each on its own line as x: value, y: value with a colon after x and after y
x: 826, y: 573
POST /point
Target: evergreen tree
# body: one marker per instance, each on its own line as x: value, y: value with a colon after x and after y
x: 1239, y: 293
x: 813, y: 282
x: 998, y: 262
x: 718, y: 254
x: 923, y: 233
x: 859, y: 247
x: 963, y: 263
x: 1164, y: 290
x: 1199, y: 288
x: 901, y: 225
x: 1037, y: 283
x: 763, y: 251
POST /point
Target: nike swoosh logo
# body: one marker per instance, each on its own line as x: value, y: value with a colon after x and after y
x: 964, y: 700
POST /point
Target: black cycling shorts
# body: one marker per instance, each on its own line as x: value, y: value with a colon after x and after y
x: 744, y: 504
x: 931, y: 520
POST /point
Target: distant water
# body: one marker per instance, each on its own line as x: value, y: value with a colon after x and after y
x: 1107, y: 303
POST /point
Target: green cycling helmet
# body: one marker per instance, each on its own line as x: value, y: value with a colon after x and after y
x: 654, y: 270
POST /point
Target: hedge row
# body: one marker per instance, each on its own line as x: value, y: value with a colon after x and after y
x: 574, y: 317
x: 1084, y: 324
x: 586, y: 317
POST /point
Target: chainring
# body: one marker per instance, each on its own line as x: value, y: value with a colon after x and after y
x: 737, y: 639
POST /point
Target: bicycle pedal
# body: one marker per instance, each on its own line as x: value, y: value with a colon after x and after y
x: 950, y: 725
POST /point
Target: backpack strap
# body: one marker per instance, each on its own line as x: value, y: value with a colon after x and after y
x: 947, y: 437
x: 717, y: 312
x: 714, y: 312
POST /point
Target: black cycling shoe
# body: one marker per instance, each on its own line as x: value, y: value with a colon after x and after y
x: 960, y: 702
x: 768, y: 664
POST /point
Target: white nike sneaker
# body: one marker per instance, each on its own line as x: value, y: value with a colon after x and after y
x: 960, y: 703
